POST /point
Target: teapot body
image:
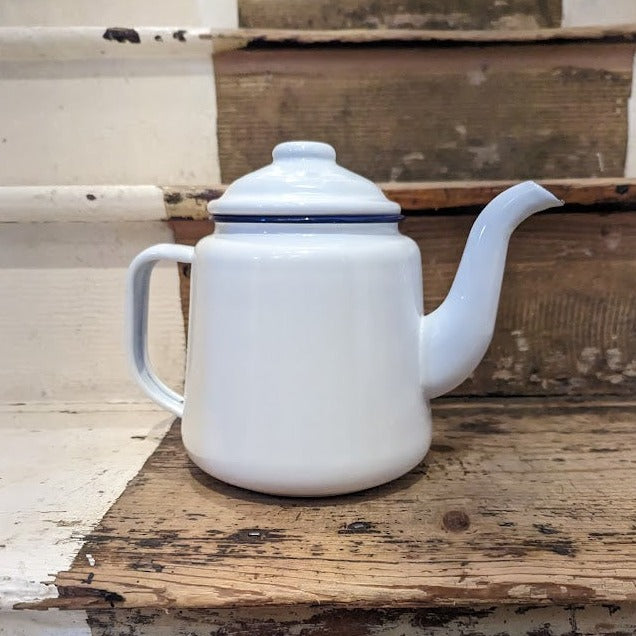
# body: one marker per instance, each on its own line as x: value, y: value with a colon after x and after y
x: 310, y: 363
x: 303, y: 368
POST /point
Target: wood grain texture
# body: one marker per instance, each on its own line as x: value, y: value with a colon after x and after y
x: 567, y: 313
x: 521, y: 620
x: 413, y: 114
x: 504, y: 509
x: 190, y: 202
x: 270, y: 38
x: 418, y: 14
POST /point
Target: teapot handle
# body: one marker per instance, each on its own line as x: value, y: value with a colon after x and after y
x: 136, y: 316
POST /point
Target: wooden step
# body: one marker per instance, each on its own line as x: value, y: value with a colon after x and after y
x: 518, y: 502
x: 453, y: 14
x: 396, y: 113
x: 190, y: 202
x: 255, y: 38
x: 565, y: 324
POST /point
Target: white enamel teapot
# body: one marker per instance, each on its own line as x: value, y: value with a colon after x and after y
x: 310, y: 361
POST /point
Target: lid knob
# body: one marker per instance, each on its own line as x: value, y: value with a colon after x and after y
x: 303, y: 150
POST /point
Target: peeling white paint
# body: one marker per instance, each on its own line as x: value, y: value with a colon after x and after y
x: 503, y: 370
x: 61, y: 471
x: 476, y: 78
x: 630, y: 369
x: 461, y: 130
x: 412, y: 157
x: 484, y: 155
x: 601, y: 162
x: 613, y: 357
x: 598, y: 12
x: 405, y: 162
x: 516, y: 21
x: 587, y: 359
x: 612, y: 240
x: 520, y: 341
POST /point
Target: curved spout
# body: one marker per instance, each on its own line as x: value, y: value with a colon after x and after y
x: 455, y: 337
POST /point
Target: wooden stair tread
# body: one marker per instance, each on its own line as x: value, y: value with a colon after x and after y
x: 518, y: 501
x: 432, y: 196
x: 255, y: 37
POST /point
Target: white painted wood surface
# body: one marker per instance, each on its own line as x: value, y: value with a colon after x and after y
x: 101, y: 43
x: 62, y: 323
x: 51, y: 623
x: 598, y: 12
x: 80, y: 204
x: 62, y: 467
x: 220, y: 13
x: 105, y: 118
x: 79, y: 113
x: 60, y: 472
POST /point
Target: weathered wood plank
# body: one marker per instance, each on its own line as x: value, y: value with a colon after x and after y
x: 455, y: 196
x: 267, y: 38
x: 190, y: 202
x: 418, y: 14
x: 588, y: 620
x: 409, y: 114
x: 502, y: 511
x: 568, y: 305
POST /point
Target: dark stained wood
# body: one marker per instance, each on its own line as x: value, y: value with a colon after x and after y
x: 589, y: 620
x: 190, y: 202
x: 447, y: 113
x: 420, y: 14
x: 545, y: 490
x: 567, y: 312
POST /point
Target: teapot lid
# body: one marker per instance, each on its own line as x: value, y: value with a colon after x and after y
x: 303, y: 181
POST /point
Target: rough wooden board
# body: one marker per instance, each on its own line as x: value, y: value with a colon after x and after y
x: 413, y: 114
x: 190, y: 202
x: 520, y: 502
x: 458, y: 195
x: 428, y: 14
x: 568, y: 307
x: 589, y: 620
x: 267, y: 38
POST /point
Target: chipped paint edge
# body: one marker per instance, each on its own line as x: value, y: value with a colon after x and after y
x: 145, y: 420
x: 102, y: 42
x: 38, y: 43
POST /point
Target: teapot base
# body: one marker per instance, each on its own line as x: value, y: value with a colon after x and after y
x: 305, y: 485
